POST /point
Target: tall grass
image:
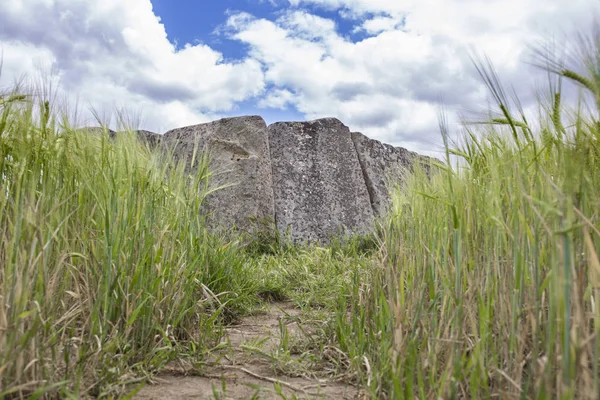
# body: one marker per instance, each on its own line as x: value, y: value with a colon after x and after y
x: 107, y: 271
x: 492, y: 273
x: 486, y: 284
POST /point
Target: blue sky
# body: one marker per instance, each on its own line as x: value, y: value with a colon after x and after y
x: 383, y: 67
x: 193, y: 21
x: 190, y: 21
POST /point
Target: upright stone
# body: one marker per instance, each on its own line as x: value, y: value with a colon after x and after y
x: 318, y: 183
x: 150, y: 138
x: 240, y: 160
x: 97, y: 131
x: 383, y: 166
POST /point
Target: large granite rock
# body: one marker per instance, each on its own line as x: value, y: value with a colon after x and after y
x: 150, y: 138
x: 239, y: 153
x: 383, y: 166
x: 315, y: 179
x: 97, y: 131
x: 318, y: 183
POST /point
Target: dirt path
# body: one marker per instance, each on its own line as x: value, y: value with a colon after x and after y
x: 245, y: 369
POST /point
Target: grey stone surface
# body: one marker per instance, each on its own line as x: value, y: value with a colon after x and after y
x: 239, y: 151
x: 151, y: 138
x: 315, y: 178
x: 383, y: 166
x: 96, y: 130
x: 318, y: 183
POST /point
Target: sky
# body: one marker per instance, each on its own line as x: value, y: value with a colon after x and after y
x: 383, y: 67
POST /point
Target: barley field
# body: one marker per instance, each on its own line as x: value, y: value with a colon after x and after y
x: 482, y: 282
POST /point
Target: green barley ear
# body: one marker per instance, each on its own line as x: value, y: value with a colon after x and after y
x: 490, y: 78
x: 579, y: 64
x: 582, y: 80
x: 556, y: 108
x: 504, y: 121
x: 13, y: 98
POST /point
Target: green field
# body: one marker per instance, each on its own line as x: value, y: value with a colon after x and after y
x: 482, y: 282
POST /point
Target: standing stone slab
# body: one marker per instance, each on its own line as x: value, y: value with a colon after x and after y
x: 318, y: 184
x: 240, y: 159
x: 97, y: 131
x: 383, y: 166
x: 150, y: 138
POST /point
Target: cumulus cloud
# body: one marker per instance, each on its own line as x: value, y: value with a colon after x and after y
x: 113, y: 52
x: 384, y: 75
x: 376, y: 25
x: 277, y: 98
x: 416, y: 54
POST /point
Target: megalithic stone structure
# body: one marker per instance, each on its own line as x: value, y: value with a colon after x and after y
x: 240, y: 162
x: 384, y: 166
x: 318, y: 183
x: 315, y: 179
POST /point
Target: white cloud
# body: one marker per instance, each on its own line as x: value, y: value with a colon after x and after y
x: 412, y: 54
x: 19, y: 59
x: 277, y: 98
x: 376, y: 25
x: 418, y: 52
x: 307, y: 26
x: 113, y: 52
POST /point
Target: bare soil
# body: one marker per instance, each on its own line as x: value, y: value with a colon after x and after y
x: 240, y: 373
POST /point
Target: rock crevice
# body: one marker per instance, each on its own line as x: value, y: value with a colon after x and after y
x: 366, y: 177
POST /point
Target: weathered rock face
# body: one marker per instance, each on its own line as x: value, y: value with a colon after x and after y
x: 96, y: 130
x: 151, y: 138
x: 318, y: 184
x: 315, y: 179
x: 383, y: 165
x: 240, y: 159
